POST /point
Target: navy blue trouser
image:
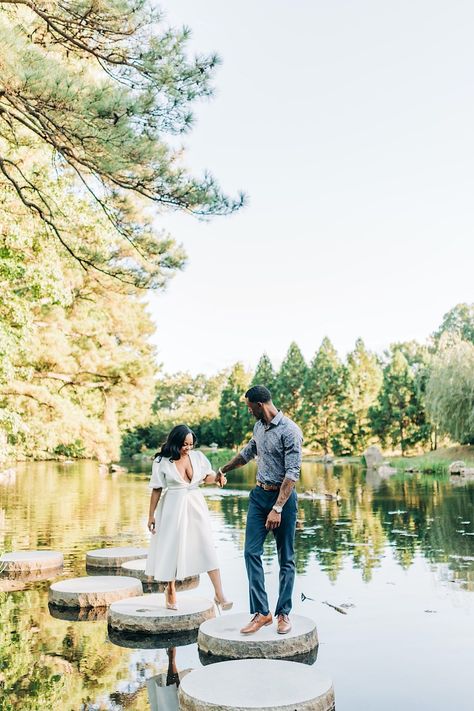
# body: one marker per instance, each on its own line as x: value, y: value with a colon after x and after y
x: 260, y: 505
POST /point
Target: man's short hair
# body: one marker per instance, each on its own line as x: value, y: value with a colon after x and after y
x: 258, y: 393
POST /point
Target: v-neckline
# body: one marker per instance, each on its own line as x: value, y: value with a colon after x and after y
x: 185, y: 481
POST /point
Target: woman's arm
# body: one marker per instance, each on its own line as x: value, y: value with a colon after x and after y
x: 154, y: 498
x: 214, y: 478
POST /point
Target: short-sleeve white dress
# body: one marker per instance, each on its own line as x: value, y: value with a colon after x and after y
x: 182, y: 544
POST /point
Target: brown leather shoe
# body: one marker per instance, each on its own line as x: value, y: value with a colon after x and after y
x: 257, y: 621
x: 284, y: 624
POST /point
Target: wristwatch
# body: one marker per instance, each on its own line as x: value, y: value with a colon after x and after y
x: 278, y: 509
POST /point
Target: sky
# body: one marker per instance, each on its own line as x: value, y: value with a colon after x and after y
x: 349, y: 125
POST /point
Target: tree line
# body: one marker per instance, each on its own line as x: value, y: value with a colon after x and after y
x: 409, y: 397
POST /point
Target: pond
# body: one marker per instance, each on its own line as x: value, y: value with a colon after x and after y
x: 396, y: 554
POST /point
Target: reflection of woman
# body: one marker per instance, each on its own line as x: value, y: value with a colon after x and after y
x: 182, y: 543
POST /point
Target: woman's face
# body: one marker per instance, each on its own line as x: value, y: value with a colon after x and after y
x: 188, y: 444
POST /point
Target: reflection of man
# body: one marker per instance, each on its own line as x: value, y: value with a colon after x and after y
x: 273, y: 504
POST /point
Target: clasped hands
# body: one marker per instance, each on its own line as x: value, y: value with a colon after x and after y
x: 221, y: 479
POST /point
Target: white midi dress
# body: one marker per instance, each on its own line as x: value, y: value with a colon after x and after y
x: 182, y: 544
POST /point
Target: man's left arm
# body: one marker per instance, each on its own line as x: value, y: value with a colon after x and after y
x: 292, y: 442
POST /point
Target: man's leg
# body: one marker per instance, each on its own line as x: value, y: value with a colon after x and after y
x: 255, y: 534
x: 285, y: 539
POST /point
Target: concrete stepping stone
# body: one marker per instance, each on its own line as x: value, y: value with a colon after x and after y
x: 221, y: 638
x: 256, y: 685
x: 143, y: 640
x: 18, y: 562
x: 78, y: 614
x: 113, y: 557
x: 150, y: 615
x: 93, y: 591
x: 136, y: 568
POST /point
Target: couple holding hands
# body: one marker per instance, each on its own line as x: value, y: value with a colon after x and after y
x: 182, y: 544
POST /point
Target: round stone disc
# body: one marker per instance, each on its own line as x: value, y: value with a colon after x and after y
x: 113, y: 557
x: 93, y: 591
x: 222, y: 638
x: 150, y: 615
x: 136, y: 568
x: 28, y: 561
x: 256, y: 685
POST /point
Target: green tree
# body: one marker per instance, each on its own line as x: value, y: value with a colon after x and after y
x: 290, y: 382
x: 398, y: 417
x: 322, y: 411
x: 364, y: 379
x: 458, y: 323
x: 450, y: 391
x: 234, y: 419
x: 101, y: 89
x: 265, y: 374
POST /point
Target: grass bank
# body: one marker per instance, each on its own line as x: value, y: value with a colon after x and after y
x: 436, y: 462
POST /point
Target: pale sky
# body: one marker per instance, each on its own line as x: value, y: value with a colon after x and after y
x: 350, y: 125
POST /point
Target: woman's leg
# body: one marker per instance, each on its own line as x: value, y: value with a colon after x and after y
x: 170, y: 592
x: 215, y: 576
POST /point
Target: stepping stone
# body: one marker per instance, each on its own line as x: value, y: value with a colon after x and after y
x: 78, y: 614
x: 221, y: 638
x: 113, y: 557
x: 19, y: 562
x: 142, y: 640
x: 93, y: 591
x: 136, y: 568
x: 150, y: 615
x: 256, y: 685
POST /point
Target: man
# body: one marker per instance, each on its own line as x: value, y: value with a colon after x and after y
x: 273, y: 504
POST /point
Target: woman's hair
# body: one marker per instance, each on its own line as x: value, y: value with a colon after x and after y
x: 175, y: 440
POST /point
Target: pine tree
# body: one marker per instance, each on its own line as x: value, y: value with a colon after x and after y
x: 101, y: 88
x: 265, y: 374
x: 234, y: 419
x: 290, y: 382
x: 324, y: 395
x: 364, y: 379
x: 398, y: 417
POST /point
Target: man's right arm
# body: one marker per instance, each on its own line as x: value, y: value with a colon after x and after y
x: 249, y: 452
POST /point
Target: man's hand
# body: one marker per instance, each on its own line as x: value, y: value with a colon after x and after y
x: 273, y: 520
x: 221, y: 479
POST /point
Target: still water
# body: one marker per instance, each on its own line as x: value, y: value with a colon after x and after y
x: 398, y: 554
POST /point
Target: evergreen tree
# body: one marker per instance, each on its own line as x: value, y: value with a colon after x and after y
x: 234, y: 419
x: 290, y: 382
x: 265, y: 374
x: 398, y: 417
x: 101, y: 88
x: 364, y: 379
x: 322, y: 412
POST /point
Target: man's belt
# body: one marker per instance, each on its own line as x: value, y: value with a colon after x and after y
x: 269, y: 487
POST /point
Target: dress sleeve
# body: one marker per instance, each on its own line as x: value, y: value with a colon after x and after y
x: 157, y: 479
x: 206, y: 466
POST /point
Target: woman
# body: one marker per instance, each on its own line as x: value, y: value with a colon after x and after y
x: 181, y: 545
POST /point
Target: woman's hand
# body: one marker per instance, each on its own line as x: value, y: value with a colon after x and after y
x: 221, y: 479
x: 151, y: 525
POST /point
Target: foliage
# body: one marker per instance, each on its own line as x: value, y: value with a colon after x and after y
x: 234, y: 419
x: 398, y: 417
x: 363, y: 382
x: 265, y: 374
x: 322, y: 412
x: 457, y: 324
x: 290, y: 382
x: 101, y: 89
x: 450, y: 390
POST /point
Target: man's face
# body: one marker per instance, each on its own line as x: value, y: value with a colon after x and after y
x: 255, y: 408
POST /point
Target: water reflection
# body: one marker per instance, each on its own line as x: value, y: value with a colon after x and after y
x: 48, y: 662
